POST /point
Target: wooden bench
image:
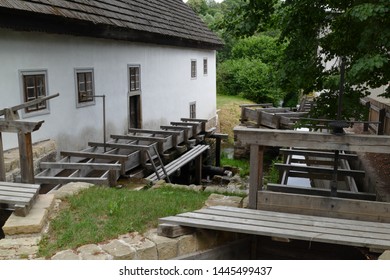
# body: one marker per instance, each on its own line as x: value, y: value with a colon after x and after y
x: 179, y: 162
x: 18, y: 197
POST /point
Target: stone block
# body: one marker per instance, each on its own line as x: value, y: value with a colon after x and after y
x: 92, y: 252
x: 186, y: 244
x: 221, y: 200
x: 119, y: 250
x: 166, y: 247
x: 71, y: 189
x: 385, y: 255
x: 66, y: 255
x: 145, y: 249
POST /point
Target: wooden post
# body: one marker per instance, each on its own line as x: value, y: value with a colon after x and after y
x: 26, y: 158
x: 381, y: 125
x: 2, y: 163
x: 256, y: 173
x: 218, y: 152
x: 198, y: 169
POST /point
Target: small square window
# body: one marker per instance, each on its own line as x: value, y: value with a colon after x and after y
x: 205, y: 66
x: 193, y: 69
x: 85, y: 89
x: 34, y: 86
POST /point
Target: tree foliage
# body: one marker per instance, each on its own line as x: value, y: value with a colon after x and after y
x: 320, y: 32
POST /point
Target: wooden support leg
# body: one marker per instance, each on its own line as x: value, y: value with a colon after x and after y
x: 198, y: 169
x: 218, y: 152
x: 2, y: 164
x: 26, y: 158
x: 256, y: 174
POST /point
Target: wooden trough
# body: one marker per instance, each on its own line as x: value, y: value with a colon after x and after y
x: 137, y: 154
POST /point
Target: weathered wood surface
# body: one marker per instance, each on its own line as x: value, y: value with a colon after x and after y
x: 19, y: 126
x: 18, y: 197
x: 311, y: 153
x: 179, y: 162
x: 173, y: 231
x: 324, y: 206
x: 313, y: 140
x: 2, y: 164
x: 319, y: 192
x: 373, y: 235
x: 323, y: 170
x: 81, y: 165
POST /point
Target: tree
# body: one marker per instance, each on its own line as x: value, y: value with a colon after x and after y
x: 321, y: 32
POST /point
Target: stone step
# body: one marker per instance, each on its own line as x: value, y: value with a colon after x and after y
x: 34, y: 222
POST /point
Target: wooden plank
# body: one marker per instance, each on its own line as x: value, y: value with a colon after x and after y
x: 79, y: 165
x: 279, y: 232
x: 312, y: 153
x: 26, y: 157
x: 16, y: 126
x: 313, y: 140
x: 18, y: 189
x: 30, y: 103
x: 14, y: 200
x: 288, y: 224
x: 375, y: 226
x: 4, y: 193
x: 132, y: 147
x: 94, y: 155
x: 65, y: 180
x: 194, y: 120
x: 319, y: 192
x: 324, y: 206
x: 2, y: 163
x: 151, y: 131
x: 140, y: 138
x: 315, y: 169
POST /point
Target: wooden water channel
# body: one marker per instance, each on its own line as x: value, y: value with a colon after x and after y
x: 348, y: 217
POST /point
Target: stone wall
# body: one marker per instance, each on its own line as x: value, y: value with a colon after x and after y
x: 42, y: 151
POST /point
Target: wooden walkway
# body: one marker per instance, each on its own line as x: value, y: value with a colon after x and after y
x: 18, y: 197
x: 284, y: 225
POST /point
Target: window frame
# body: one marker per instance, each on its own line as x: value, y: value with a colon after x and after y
x: 138, y: 89
x: 23, y: 92
x: 193, y: 110
x: 205, y: 66
x: 194, y: 66
x: 92, y: 101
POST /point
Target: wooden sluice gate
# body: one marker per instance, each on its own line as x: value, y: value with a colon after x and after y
x: 140, y: 153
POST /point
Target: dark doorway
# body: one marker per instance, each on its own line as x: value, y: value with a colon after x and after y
x: 135, y: 111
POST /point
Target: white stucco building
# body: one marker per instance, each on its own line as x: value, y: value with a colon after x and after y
x: 153, y: 60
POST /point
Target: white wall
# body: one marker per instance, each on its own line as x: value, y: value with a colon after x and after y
x: 167, y: 87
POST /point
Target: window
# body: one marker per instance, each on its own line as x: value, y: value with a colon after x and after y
x: 193, y: 110
x: 205, y: 69
x: 34, y: 86
x: 135, y: 84
x: 193, y: 69
x: 84, y: 87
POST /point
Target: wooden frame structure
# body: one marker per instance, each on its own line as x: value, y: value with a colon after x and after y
x: 139, y: 152
x: 257, y: 139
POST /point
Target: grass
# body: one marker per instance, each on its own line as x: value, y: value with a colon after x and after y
x: 242, y: 164
x: 98, y: 214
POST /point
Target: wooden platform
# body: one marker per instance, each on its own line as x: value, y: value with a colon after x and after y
x: 371, y: 235
x: 18, y: 197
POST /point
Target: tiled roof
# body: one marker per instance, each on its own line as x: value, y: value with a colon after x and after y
x: 167, y: 18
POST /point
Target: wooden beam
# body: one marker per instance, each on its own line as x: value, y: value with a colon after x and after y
x: 133, y: 147
x: 151, y: 131
x: 2, y: 163
x: 16, y: 126
x: 173, y: 231
x: 79, y: 165
x: 313, y: 140
x: 256, y: 173
x: 315, y: 169
x: 140, y: 138
x: 65, y: 180
x: 324, y: 206
x: 319, y: 192
x: 112, y: 157
x: 312, y: 153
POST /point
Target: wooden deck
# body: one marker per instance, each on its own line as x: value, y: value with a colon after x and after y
x: 371, y: 235
x: 18, y: 197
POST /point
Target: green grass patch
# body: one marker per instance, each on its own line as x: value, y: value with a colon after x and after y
x: 242, y: 164
x: 99, y: 214
x: 226, y: 100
